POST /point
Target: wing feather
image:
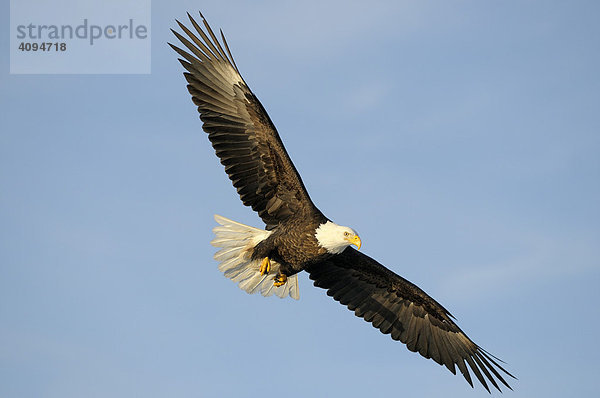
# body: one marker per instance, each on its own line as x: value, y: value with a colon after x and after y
x: 239, y: 128
x: 396, y: 306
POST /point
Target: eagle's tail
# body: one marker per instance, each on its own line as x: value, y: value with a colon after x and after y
x: 237, y: 242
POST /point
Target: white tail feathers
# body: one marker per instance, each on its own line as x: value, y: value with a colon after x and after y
x: 237, y: 242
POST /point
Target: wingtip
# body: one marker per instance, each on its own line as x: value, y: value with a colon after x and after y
x: 181, y: 25
x: 174, y: 31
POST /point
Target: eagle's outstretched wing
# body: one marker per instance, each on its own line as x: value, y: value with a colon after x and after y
x: 240, y: 130
x: 397, y: 307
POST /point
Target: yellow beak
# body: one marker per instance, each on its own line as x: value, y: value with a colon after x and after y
x: 355, y: 240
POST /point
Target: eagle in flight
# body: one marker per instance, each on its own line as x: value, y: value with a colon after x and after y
x: 298, y: 236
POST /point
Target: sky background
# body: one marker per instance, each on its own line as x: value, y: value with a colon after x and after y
x: 460, y: 139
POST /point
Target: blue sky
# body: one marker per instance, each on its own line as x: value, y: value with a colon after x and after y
x: 460, y: 139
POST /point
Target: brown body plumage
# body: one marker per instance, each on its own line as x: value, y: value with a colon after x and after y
x: 293, y: 245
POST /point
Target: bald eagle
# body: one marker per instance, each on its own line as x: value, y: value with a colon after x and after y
x: 298, y: 236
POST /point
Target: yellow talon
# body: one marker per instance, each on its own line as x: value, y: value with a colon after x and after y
x: 265, y: 266
x: 280, y: 280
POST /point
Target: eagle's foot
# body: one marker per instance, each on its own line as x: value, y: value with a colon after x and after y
x: 280, y: 280
x: 265, y: 266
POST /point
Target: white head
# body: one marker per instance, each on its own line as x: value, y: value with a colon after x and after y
x: 336, y: 238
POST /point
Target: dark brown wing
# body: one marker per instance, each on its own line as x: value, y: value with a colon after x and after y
x: 240, y: 130
x: 397, y: 307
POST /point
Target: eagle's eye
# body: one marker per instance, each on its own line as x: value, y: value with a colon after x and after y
x: 346, y: 233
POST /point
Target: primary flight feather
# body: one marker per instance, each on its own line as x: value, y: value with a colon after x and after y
x: 297, y: 236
